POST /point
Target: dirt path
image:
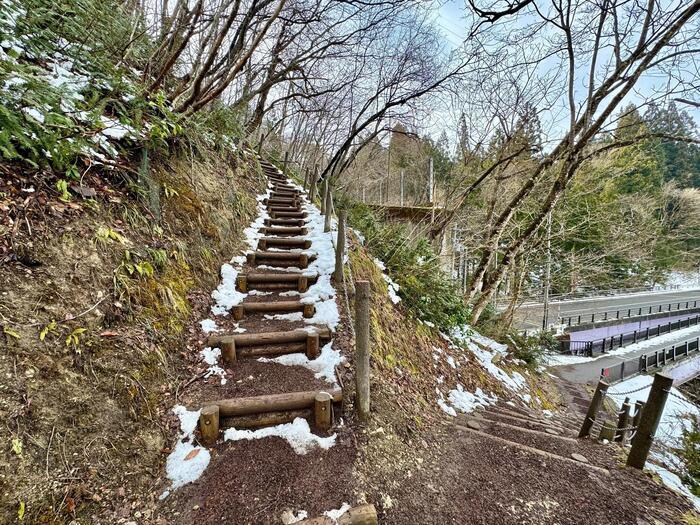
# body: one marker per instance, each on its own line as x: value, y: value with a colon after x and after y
x: 510, y: 465
x: 250, y: 480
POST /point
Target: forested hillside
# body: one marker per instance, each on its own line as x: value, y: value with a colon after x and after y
x: 629, y: 219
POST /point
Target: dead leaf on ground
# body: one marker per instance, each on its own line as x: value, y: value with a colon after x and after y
x: 192, y: 454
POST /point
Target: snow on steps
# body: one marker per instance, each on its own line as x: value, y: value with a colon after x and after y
x: 284, y: 415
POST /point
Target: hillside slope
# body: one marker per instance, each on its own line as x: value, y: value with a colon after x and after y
x: 98, y: 292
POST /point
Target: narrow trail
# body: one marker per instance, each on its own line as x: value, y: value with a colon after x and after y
x: 278, y: 346
x: 280, y: 332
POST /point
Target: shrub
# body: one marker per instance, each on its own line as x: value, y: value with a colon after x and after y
x: 412, y: 263
x: 532, y: 349
x: 690, y: 453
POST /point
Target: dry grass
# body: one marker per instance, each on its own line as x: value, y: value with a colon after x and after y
x: 87, y: 412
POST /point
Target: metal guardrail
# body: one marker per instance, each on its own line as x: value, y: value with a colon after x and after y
x: 625, y: 313
x: 646, y: 362
x: 588, y: 348
x: 594, y: 292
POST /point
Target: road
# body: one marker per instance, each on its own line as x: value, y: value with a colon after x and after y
x: 529, y: 316
x: 588, y: 371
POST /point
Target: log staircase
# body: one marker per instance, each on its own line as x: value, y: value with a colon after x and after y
x: 276, y: 268
x: 523, y: 431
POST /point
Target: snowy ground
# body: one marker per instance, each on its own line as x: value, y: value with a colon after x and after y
x: 458, y: 399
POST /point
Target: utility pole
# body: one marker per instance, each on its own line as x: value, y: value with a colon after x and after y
x: 431, y: 189
x: 547, y: 273
x: 430, y: 180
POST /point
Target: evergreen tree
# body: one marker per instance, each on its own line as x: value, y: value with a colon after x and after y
x: 681, y: 159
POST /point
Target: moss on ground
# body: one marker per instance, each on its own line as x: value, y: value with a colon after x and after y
x: 95, y: 337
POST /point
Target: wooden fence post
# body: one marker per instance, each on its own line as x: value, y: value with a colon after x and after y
x: 638, y: 408
x: 340, y: 247
x: 323, y: 411
x: 312, y: 184
x: 209, y: 424
x: 329, y: 209
x: 324, y: 196
x: 623, y: 421
x: 649, y: 422
x: 284, y: 164
x: 594, y: 407
x: 228, y: 353
x: 362, y: 301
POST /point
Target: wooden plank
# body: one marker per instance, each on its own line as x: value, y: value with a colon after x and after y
x: 265, y: 338
x: 244, y: 406
x: 266, y: 419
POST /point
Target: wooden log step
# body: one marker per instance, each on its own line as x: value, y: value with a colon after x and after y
x: 518, y: 428
x: 284, y: 208
x: 283, y: 214
x: 362, y: 515
x: 246, y: 406
x: 275, y: 281
x: 286, y: 195
x: 283, y: 230
x: 266, y: 338
x: 266, y: 419
x: 281, y: 201
x: 293, y: 203
x: 307, y: 310
x: 522, y: 422
x: 280, y: 259
x: 234, y: 347
x: 284, y: 242
x: 285, y: 222
x: 532, y: 450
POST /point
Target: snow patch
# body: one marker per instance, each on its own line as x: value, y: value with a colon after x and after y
x: 297, y: 433
x: 186, y: 462
x: 466, y: 402
x: 208, y: 326
x: 392, y: 287
x: 323, y: 366
x: 335, y: 514
x: 211, y: 357
x: 226, y: 295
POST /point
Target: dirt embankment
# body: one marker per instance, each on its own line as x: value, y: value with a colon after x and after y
x: 100, y: 286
